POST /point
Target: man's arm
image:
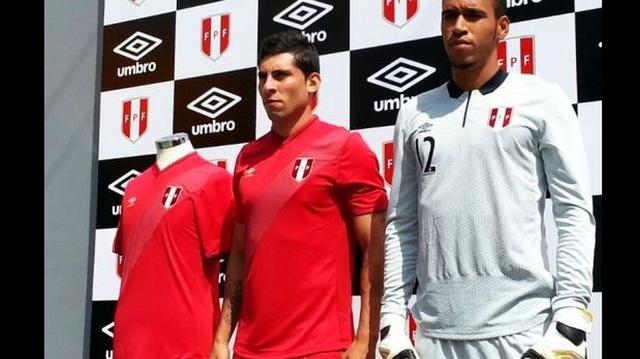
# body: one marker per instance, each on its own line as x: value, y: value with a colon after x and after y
x: 401, y: 241
x: 567, y: 175
x: 566, y: 169
x: 232, y: 296
x: 369, y: 231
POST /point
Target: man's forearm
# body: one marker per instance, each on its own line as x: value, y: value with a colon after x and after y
x: 232, y: 290
x: 371, y: 279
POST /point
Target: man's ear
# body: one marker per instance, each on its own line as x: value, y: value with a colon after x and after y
x: 313, y: 82
x: 503, y: 27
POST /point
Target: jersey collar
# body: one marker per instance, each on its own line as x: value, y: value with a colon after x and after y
x: 493, y: 83
x: 279, y: 139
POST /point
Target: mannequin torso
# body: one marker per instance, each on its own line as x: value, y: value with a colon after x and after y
x: 172, y: 148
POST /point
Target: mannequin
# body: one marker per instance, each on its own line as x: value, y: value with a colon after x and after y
x: 171, y: 148
x: 176, y: 223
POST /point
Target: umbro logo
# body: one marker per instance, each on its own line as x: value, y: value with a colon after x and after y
x: 131, y: 201
x: 425, y: 127
x: 107, y: 329
x: 302, y: 13
x: 120, y: 184
x: 401, y: 74
x: 137, y: 45
x: 249, y: 172
x: 214, y: 102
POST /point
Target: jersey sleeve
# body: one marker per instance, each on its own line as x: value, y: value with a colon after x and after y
x: 359, y: 179
x: 567, y: 174
x: 117, y: 242
x: 214, y: 212
x: 239, y: 215
x: 401, y: 236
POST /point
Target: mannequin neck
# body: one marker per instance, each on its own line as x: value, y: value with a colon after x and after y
x: 167, y: 156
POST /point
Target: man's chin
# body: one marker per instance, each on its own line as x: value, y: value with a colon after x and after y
x: 274, y: 116
x: 462, y: 65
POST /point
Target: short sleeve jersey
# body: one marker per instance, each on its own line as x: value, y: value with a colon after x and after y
x: 174, y: 225
x: 297, y: 197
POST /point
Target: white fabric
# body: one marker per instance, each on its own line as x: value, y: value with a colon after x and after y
x: 466, y: 210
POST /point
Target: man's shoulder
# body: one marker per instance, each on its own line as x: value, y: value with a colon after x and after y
x: 255, y: 145
x: 327, y: 127
x: 435, y: 93
x: 348, y: 140
x: 337, y: 133
x: 530, y: 82
x: 533, y: 89
x: 427, y: 99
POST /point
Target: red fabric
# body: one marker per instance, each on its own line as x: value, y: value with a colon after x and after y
x: 168, y: 303
x: 298, y: 254
x: 324, y: 355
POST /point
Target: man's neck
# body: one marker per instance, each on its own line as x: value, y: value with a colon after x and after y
x: 285, y: 128
x: 471, y: 79
x: 167, y: 156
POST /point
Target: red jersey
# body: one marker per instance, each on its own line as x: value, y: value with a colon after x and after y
x: 297, y: 198
x: 174, y: 224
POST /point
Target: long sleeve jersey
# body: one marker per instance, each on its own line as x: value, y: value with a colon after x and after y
x: 471, y: 171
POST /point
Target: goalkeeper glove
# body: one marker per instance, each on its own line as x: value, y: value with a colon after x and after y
x: 394, y: 342
x: 562, y: 341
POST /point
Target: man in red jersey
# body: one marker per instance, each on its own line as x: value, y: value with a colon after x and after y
x: 176, y: 221
x: 307, y: 193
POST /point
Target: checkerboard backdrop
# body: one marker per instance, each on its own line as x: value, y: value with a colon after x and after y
x: 190, y: 66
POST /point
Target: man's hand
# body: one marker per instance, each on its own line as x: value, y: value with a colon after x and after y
x: 220, y: 351
x: 395, y: 344
x: 560, y: 342
x: 358, y: 350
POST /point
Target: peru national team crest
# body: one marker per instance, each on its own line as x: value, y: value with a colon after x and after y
x: 500, y: 117
x: 135, y: 115
x: 215, y: 35
x: 220, y: 163
x: 387, y: 157
x: 399, y: 12
x: 517, y: 54
x: 302, y: 168
x: 170, y: 197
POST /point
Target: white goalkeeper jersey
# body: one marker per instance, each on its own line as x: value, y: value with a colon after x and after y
x: 471, y: 171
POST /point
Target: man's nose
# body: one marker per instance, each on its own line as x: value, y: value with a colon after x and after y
x: 460, y: 25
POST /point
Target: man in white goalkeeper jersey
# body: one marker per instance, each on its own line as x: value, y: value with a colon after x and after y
x: 474, y: 159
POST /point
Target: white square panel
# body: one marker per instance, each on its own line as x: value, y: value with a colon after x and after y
x: 124, y: 10
x: 590, y: 115
x: 125, y: 128
x: 106, y: 282
x: 582, y: 5
x: 372, y: 26
x: 555, y: 49
x: 201, y: 34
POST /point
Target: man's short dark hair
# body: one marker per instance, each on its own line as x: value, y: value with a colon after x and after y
x: 499, y: 8
x: 304, y: 53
